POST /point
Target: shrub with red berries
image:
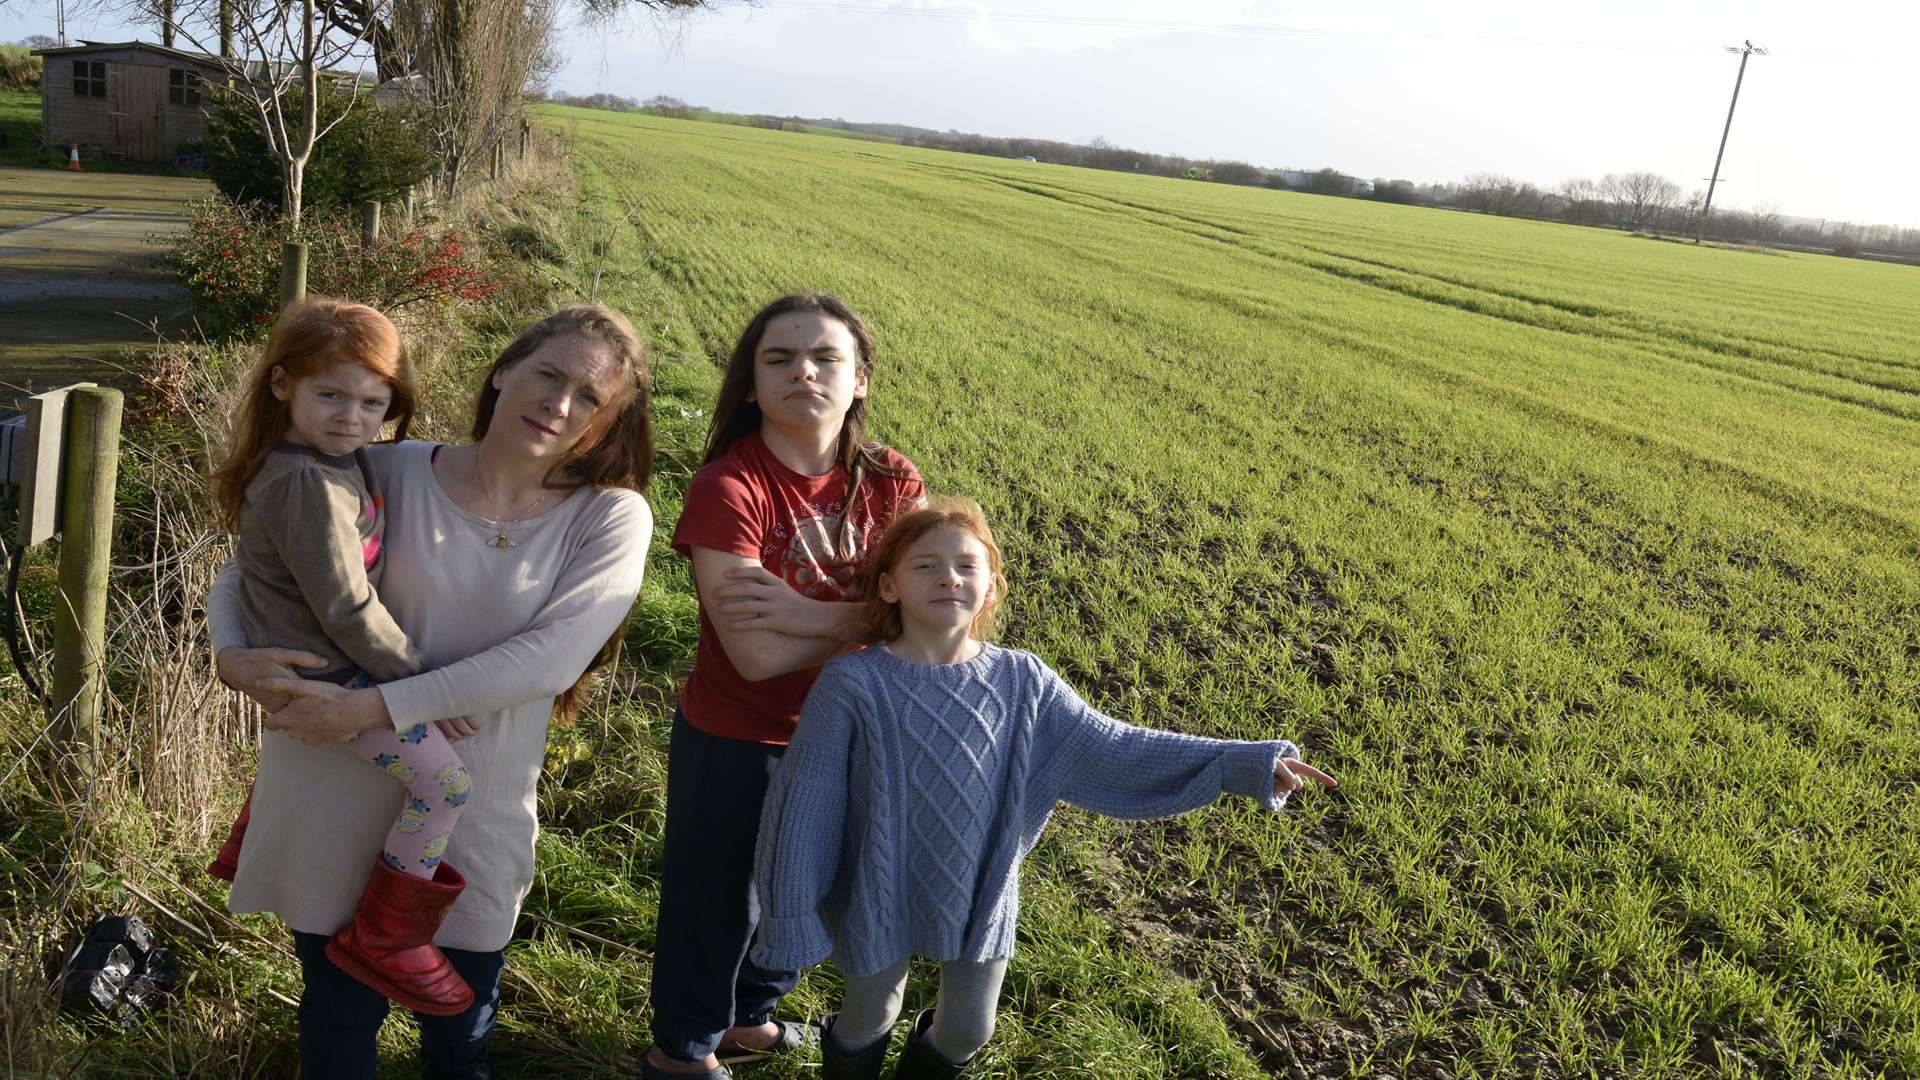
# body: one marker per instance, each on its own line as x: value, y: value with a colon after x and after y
x: 229, y: 260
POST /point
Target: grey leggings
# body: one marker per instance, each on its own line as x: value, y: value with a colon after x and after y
x: 962, y: 1019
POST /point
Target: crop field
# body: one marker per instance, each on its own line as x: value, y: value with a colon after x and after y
x: 1589, y: 563
x: 1586, y: 561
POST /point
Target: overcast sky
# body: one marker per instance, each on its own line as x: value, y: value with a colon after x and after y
x: 1393, y: 88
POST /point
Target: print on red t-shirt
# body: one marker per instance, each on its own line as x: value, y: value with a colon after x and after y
x: 746, y: 502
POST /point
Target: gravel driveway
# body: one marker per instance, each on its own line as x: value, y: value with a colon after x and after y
x: 81, y: 281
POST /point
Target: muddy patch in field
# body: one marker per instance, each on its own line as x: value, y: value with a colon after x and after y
x: 1268, y: 965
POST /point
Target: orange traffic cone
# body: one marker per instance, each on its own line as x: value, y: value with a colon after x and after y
x: 73, y: 158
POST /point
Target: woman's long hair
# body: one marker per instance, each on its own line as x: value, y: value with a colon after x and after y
x: 615, y: 452
x: 311, y: 336
x: 880, y: 620
x: 735, y: 416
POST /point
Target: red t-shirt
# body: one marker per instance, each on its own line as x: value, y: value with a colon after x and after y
x: 745, y: 502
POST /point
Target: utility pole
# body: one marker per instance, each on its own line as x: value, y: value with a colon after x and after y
x: 1745, y: 50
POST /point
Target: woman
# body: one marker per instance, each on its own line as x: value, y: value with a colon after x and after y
x: 509, y: 561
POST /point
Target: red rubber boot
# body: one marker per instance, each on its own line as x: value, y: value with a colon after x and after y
x: 226, y: 861
x: 389, y: 944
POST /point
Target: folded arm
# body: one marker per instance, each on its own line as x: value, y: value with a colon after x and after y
x: 757, y: 653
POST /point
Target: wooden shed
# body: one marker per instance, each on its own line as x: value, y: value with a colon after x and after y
x: 126, y: 100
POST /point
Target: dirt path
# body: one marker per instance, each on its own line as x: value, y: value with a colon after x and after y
x: 80, y: 279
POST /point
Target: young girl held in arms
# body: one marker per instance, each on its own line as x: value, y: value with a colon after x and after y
x: 307, y: 531
x: 924, y: 769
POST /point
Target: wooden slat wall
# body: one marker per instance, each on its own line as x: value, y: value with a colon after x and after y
x: 148, y: 129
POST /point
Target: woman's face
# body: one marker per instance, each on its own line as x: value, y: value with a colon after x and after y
x: 807, y: 371
x: 550, y: 398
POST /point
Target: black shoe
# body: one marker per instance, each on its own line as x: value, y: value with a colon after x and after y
x: 792, y: 1036
x: 837, y: 1064
x: 920, y: 1061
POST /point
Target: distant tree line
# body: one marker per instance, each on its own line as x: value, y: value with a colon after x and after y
x: 1651, y: 203
x: 1635, y: 201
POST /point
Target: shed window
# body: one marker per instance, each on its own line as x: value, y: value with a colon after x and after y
x: 183, y: 87
x: 89, y: 78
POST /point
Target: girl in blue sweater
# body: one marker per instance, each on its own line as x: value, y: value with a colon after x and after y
x: 924, y: 769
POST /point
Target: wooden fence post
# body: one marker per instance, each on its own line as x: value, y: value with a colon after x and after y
x: 369, y: 222
x: 92, y: 454
x: 499, y: 158
x: 526, y: 140
x: 293, y: 273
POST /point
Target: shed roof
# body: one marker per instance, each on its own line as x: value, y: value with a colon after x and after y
x: 206, y: 60
x: 201, y: 59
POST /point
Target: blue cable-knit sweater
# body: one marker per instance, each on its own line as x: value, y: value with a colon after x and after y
x: 911, y: 793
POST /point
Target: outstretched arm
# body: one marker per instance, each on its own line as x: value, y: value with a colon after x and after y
x: 1124, y: 771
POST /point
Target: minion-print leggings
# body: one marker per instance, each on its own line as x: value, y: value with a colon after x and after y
x: 437, y: 787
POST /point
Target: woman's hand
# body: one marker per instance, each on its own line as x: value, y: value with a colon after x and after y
x: 754, y: 598
x: 248, y: 670
x: 456, y: 728
x: 1293, y: 774
x: 323, y: 714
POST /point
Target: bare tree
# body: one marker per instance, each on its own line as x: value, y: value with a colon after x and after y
x: 1640, y: 199
x: 1582, y: 202
x: 668, y: 106
x: 1683, y: 214
x: 279, y: 52
x: 1490, y: 193
x: 1767, y: 221
x: 470, y: 61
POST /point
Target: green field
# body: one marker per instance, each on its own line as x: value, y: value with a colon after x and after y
x: 1586, y: 562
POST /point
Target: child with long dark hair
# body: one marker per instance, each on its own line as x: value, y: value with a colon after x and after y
x: 777, y: 523
x: 307, y: 532
x: 925, y: 768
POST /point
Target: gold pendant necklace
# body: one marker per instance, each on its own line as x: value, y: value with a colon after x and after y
x: 501, y: 540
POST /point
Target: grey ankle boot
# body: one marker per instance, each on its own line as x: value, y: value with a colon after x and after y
x: 837, y: 1064
x: 920, y: 1061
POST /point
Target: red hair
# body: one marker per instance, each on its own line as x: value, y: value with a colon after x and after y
x: 880, y: 621
x: 312, y: 335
